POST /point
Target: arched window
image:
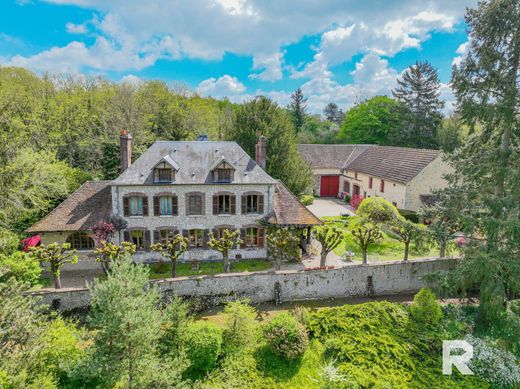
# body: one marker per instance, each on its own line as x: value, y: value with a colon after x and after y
x: 80, y: 241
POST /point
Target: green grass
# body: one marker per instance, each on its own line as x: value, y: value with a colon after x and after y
x: 387, y: 249
x: 163, y: 270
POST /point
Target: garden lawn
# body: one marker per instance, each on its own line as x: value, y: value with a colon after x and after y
x: 163, y: 269
x: 387, y: 249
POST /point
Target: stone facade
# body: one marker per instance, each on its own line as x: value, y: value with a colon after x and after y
x: 208, y: 221
x: 356, y: 280
x: 427, y: 181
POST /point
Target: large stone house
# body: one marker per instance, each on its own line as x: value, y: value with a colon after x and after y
x: 181, y: 187
x: 404, y: 176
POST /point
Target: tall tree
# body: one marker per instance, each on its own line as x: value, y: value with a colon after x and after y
x: 262, y: 116
x: 486, y: 180
x: 419, y: 91
x: 298, y: 108
x: 128, y: 327
x: 378, y: 120
x: 333, y: 113
x: 224, y: 244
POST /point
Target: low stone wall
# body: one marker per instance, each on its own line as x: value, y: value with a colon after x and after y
x: 355, y: 280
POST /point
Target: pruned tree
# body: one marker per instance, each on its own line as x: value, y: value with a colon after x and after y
x: 365, y: 233
x: 103, y: 231
x: 172, y: 250
x: 56, y: 256
x: 109, y: 253
x: 329, y: 237
x: 408, y: 232
x: 224, y: 244
x: 281, y: 243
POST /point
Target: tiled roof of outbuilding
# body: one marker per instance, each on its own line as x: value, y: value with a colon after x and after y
x: 320, y: 156
x: 80, y: 211
x: 399, y: 164
x: 289, y: 211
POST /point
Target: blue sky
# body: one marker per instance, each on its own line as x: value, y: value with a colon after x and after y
x: 339, y: 51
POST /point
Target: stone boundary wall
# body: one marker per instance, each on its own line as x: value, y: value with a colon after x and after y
x: 291, y: 285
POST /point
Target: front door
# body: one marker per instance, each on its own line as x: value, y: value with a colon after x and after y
x: 356, y: 190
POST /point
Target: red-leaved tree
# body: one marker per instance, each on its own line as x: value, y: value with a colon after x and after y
x: 355, y: 200
x: 103, y: 231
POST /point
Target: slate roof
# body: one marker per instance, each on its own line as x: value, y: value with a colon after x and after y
x: 320, y: 156
x: 195, y: 160
x: 398, y: 164
x: 80, y: 211
x: 289, y: 211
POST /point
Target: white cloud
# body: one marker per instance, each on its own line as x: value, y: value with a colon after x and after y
x: 270, y: 67
x: 72, y: 28
x: 132, y: 79
x: 462, y: 51
x: 224, y: 86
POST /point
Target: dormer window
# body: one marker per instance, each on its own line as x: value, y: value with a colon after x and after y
x: 164, y: 171
x: 164, y: 175
x: 223, y: 175
x: 223, y: 171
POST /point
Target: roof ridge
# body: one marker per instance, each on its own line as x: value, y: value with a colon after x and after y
x: 297, y: 199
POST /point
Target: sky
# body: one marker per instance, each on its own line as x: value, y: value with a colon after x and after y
x: 340, y: 51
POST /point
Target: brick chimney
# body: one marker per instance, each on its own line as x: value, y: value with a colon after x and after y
x: 125, y: 150
x: 261, y: 152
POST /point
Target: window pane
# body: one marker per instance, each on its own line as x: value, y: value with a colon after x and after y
x: 166, y: 205
x: 195, y: 238
x: 136, y: 205
x: 195, y: 204
x: 251, y: 237
x: 252, y: 203
x: 165, y: 174
x: 224, y: 204
x: 166, y: 236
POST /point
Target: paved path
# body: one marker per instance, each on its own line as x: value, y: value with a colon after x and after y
x: 329, y: 206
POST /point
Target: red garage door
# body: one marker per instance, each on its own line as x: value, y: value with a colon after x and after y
x: 329, y: 186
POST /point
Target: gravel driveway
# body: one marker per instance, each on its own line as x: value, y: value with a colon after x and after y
x: 330, y: 207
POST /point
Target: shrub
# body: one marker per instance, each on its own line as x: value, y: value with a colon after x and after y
x: 425, y: 309
x: 347, y: 198
x: 498, y: 367
x: 409, y: 215
x: 22, y: 267
x: 175, y: 319
x: 307, y: 199
x: 203, y: 343
x: 286, y: 336
x: 241, y: 332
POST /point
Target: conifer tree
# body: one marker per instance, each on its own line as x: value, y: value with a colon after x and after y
x: 419, y: 91
x: 298, y: 109
x: 485, y: 193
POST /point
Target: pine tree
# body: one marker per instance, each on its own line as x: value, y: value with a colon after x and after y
x: 333, y: 114
x: 485, y: 194
x: 298, y: 108
x: 128, y: 328
x: 419, y: 91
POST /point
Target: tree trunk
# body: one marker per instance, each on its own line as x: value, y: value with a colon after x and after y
x: 105, y: 266
x: 442, y: 250
x: 226, y: 263
x: 56, y: 275
x: 174, y: 269
x: 365, y: 256
x: 323, y: 260
x: 277, y: 264
x: 406, y: 250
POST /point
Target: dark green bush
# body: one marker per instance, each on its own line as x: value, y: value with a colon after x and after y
x: 409, y: 215
x: 203, y: 343
x: 425, y: 309
x: 286, y: 336
x: 347, y: 199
